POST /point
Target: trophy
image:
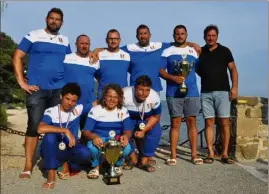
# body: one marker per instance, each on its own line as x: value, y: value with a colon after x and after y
x: 183, y: 68
x: 112, y: 152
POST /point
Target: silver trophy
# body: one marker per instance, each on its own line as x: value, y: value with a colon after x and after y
x: 112, y: 152
x: 183, y: 68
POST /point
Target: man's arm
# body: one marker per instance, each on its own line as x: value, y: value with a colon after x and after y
x: 234, y: 77
x: 45, y: 128
x: 151, y: 122
x: 18, y: 66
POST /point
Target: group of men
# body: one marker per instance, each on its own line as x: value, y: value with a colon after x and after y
x: 52, y: 64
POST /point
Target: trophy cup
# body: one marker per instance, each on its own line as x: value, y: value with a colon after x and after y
x: 112, y: 152
x: 183, y: 68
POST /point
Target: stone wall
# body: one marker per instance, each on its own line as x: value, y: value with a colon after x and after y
x: 249, y: 128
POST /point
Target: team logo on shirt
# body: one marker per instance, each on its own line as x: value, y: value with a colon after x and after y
x: 75, y: 112
x: 60, y: 39
x: 152, y: 47
x: 149, y: 105
x: 120, y: 115
x: 122, y: 56
x: 191, y: 51
x: 90, y: 113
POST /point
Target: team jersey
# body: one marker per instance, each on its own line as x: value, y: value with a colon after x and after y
x: 146, y: 61
x: 46, y: 55
x: 170, y: 61
x: 151, y: 106
x: 53, y: 117
x: 79, y: 70
x: 100, y: 121
x: 113, y: 69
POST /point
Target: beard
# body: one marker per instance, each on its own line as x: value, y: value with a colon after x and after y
x: 144, y: 43
x: 53, y: 29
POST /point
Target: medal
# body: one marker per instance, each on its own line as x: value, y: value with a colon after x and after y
x: 142, y: 126
x: 62, y: 145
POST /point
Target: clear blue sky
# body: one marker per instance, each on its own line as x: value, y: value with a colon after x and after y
x: 243, y: 27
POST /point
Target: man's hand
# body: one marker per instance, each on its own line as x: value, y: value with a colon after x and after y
x: 97, y: 141
x: 233, y: 93
x: 197, y: 48
x: 139, y: 134
x: 94, y: 103
x: 123, y: 140
x: 178, y: 79
x: 69, y: 135
x: 29, y: 88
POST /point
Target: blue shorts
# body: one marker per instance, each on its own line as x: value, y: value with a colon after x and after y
x: 189, y: 106
x: 216, y: 104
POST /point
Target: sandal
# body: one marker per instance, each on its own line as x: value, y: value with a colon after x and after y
x: 227, y: 160
x: 93, y: 174
x: 171, y: 162
x: 25, y: 175
x: 118, y: 171
x: 48, y: 185
x: 129, y: 165
x: 208, y: 160
x: 152, y: 162
x: 63, y: 176
x: 146, y: 167
x: 197, y: 161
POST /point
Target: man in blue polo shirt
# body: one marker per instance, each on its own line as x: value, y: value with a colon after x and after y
x: 178, y: 102
x: 78, y: 69
x: 46, y: 49
x: 114, y: 63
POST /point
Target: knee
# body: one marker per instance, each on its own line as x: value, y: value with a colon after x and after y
x: 126, y: 150
x: 49, y: 138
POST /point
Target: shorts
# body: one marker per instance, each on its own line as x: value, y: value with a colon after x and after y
x: 216, y: 104
x: 188, y: 106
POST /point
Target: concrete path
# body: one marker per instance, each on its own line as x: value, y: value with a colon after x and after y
x: 183, y: 178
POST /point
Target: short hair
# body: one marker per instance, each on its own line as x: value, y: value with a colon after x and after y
x: 143, y: 80
x: 56, y: 10
x: 112, y: 31
x: 180, y: 26
x: 71, y: 88
x: 81, y: 36
x: 117, y: 89
x: 142, y: 26
x: 211, y: 27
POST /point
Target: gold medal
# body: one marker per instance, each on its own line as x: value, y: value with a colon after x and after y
x: 62, y: 146
x: 142, y: 126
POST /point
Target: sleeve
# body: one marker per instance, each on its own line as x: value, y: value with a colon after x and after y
x: 124, y: 48
x: 157, y: 108
x: 68, y: 49
x: 90, y: 121
x: 229, y: 56
x: 163, y: 60
x: 26, y: 43
x: 46, y: 117
x: 126, y: 122
x: 86, y: 108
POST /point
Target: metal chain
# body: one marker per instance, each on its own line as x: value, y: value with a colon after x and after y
x: 13, y: 131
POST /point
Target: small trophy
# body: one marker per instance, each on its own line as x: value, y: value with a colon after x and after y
x: 112, y: 152
x: 183, y: 68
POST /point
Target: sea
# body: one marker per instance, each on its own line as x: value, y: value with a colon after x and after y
x: 165, y: 120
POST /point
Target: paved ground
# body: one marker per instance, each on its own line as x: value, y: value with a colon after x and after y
x: 183, y: 178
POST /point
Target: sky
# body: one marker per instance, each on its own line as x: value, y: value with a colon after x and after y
x: 243, y: 27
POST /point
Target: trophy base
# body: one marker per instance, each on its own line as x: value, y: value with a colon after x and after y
x: 112, y: 180
x: 183, y: 91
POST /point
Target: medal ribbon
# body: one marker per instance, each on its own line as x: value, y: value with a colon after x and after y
x: 60, y: 119
x: 143, y: 111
